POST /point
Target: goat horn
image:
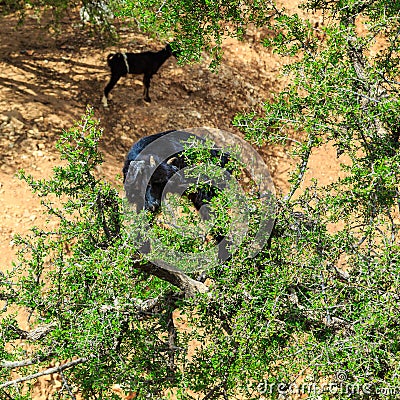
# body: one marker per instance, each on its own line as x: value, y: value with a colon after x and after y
x: 172, y: 160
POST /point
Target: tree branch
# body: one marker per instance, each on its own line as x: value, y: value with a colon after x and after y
x: 66, y: 386
x: 48, y: 371
x: 174, y: 276
x: 22, y: 363
x: 328, y: 321
x: 302, y: 170
x: 8, y: 396
x: 359, y: 62
x: 172, y: 334
x: 35, y: 334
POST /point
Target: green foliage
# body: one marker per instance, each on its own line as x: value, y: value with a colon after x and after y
x: 179, y: 234
x: 97, y: 16
x: 319, y: 304
x: 345, y: 264
x: 196, y: 25
x: 79, y: 277
x: 90, y: 301
x: 57, y: 7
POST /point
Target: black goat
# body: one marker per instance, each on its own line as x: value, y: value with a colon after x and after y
x: 147, y: 63
x: 153, y: 161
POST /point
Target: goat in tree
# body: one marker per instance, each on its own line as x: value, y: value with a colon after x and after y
x: 151, y: 164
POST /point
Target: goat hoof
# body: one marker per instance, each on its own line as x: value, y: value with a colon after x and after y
x: 147, y: 100
x: 104, y: 102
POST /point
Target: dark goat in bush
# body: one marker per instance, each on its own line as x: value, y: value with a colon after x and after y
x: 153, y: 161
x: 146, y: 63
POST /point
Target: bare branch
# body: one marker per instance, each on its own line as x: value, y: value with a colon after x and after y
x: 174, y: 276
x: 328, y: 320
x: 66, y: 386
x: 7, y: 395
x: 172, y: 334
x: 213, y: 392
x: 149, y: 305
x: 35, y: 334
x: 359, y: 62
x: 18, y: 364
x: 48, y: 371
x: 159, y: 11
x: 302, y: 171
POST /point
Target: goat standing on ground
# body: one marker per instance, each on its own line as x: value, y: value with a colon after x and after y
x: 146, y: 63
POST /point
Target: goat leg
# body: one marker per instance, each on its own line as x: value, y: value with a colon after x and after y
x: 146, y: 83
x: 113, y: 81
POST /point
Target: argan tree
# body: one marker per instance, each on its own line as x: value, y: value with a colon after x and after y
x: 314, y: 312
